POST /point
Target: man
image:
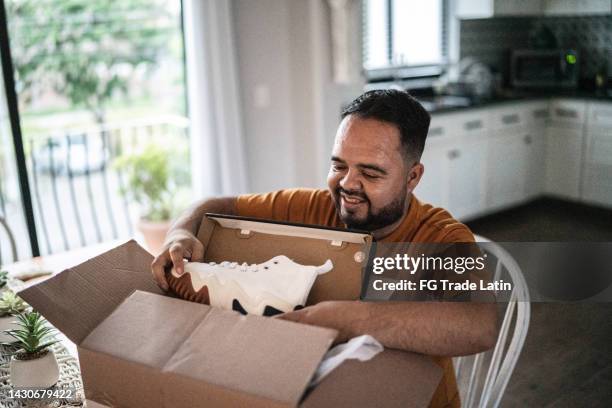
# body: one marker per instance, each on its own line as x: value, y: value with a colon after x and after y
x: 374, y: 169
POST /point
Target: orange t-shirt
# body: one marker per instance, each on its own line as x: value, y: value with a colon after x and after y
x: 423, y: 223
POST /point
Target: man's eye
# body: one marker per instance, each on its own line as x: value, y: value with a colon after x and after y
x: 371, y: 176
x: 338, y: 167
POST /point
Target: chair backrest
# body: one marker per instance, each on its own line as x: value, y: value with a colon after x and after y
x: 11, y: 240
x: 480, y: 388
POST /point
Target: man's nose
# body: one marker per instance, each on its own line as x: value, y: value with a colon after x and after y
x: 351, y: 181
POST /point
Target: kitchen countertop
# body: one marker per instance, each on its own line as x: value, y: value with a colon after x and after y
x: 445, y: 104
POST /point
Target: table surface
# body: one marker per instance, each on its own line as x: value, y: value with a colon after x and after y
x: 56, y: 263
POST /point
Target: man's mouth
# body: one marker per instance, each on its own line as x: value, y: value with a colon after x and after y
x: 350, y: 201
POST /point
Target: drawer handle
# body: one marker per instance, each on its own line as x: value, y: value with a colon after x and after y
x: 510, y: 119
x: 473, y: 124
x: 437, y: 131
x: 453, y: 154
x: 566, y: 113
x: 527, y: 139
x: 541, y: 114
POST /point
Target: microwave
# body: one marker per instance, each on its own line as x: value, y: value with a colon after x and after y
x: 544, y: 68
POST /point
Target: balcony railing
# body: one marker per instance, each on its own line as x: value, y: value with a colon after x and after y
x: 75, y: 187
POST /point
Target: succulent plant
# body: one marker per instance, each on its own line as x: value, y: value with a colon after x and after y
x: 33, y: 337
x: 3, y: 279
x: 11, y: 304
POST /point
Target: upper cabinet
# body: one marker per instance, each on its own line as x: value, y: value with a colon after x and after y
x: 499, y: 8
x: 573, y: 7
x: 490, y: 8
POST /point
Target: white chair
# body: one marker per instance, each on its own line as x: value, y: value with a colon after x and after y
x: 11, y: 239
x: 476, y: 388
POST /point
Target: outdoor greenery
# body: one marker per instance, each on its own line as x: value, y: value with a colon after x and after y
x: 3, y: 274
x: 87, y: 51
x: 153, y: 180
x: 11, y: 304
x: 33, y: 336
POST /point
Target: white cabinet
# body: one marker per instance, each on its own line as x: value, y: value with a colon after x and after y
x: 564, y: 140
x: 597, y: 170
x: 455, y: 163
x: 490, y: 8
x: 573, y: 7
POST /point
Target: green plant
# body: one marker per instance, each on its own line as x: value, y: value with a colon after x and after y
x: 11, y: 304
x: 149, y: 182
x: 3, y: 277
x: 33, y: 336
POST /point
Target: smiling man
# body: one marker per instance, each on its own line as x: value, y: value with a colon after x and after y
x: 374, y: 169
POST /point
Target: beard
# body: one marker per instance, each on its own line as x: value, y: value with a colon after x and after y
x: 385, y: 216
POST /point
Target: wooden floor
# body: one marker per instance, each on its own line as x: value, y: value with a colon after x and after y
x: 567, y: 358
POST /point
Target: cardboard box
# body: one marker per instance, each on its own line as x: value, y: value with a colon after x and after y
x: 139, y: 347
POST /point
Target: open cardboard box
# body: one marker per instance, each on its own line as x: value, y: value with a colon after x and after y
x: 140, y: 347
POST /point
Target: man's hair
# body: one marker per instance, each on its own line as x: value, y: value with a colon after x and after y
x: 398, y: 108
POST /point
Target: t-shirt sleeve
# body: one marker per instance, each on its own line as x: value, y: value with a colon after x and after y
x: 308, y: 206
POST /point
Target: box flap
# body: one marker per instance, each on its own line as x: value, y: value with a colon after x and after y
x: 251, y: 240
x: 234, y: 355
x: 265, y: 357
x: 79, y: 298
x: 397, y: 378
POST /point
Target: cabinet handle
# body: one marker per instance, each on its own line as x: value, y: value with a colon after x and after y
x: 541, y: 114
x: 566, y: 113
x: 473, y: 124
x: 510, y: 119
x: 453, y: 154
x: 437, y: 131
x: 527, y: 139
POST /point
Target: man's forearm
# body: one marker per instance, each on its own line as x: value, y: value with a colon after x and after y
x: 433, y: 328
x: 191, y: 218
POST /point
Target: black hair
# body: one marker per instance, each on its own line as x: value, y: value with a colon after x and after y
x: 398, y: 108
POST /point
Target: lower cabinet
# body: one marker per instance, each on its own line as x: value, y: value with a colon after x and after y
x: 454, y: 175
x: 515, y: 170
x: 563, y: 161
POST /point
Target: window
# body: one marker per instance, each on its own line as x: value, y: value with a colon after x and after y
x: 404, y: 33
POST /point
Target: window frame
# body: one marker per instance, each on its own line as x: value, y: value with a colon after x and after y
x: 400, y: 72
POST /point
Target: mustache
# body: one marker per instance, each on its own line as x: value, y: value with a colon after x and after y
x: 354, y: 193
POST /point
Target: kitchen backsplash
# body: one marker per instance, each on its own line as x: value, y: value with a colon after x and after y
x: 490, y: 40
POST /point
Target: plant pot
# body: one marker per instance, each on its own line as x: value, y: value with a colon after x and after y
x: 154, y: 234
x: 42, y: 372
x: 6, y: 323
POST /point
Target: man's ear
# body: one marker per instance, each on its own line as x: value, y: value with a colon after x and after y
x: 414, y: 176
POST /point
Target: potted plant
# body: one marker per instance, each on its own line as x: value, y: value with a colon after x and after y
x: 34, y: 364
x: 153, y: 185
x: 10, y: 304
x: 3, y: 281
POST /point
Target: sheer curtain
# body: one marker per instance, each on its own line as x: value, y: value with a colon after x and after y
x: 218, y: 151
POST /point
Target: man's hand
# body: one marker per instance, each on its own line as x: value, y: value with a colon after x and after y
x: 325, y: 314
x: 180, y: 244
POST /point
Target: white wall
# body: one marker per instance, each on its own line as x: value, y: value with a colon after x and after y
x: 291, y: 106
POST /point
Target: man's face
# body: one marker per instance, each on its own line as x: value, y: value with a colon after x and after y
x: 369, y: 178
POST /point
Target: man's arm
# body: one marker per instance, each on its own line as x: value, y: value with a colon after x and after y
x: 181, y: 241
x: 432, y: 328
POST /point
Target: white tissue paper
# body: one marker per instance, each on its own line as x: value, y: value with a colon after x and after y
x: 361, y: 348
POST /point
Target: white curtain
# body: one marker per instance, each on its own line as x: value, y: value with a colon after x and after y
x: 218, y: 151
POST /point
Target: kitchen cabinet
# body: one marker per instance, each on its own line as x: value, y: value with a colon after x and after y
x: 483, y: 160
x: 489, y: 8
x: 455, y: 163
x: 573, y: 7
x: 564, y: 140
x: 597, y: 170
x: 515, y: 170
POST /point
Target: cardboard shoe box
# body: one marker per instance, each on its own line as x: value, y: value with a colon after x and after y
x: 140, y: 347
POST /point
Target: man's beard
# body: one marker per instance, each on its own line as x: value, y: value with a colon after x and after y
x: 372, y: 222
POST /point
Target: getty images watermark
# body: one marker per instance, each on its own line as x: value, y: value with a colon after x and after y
x: 487, y: 271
